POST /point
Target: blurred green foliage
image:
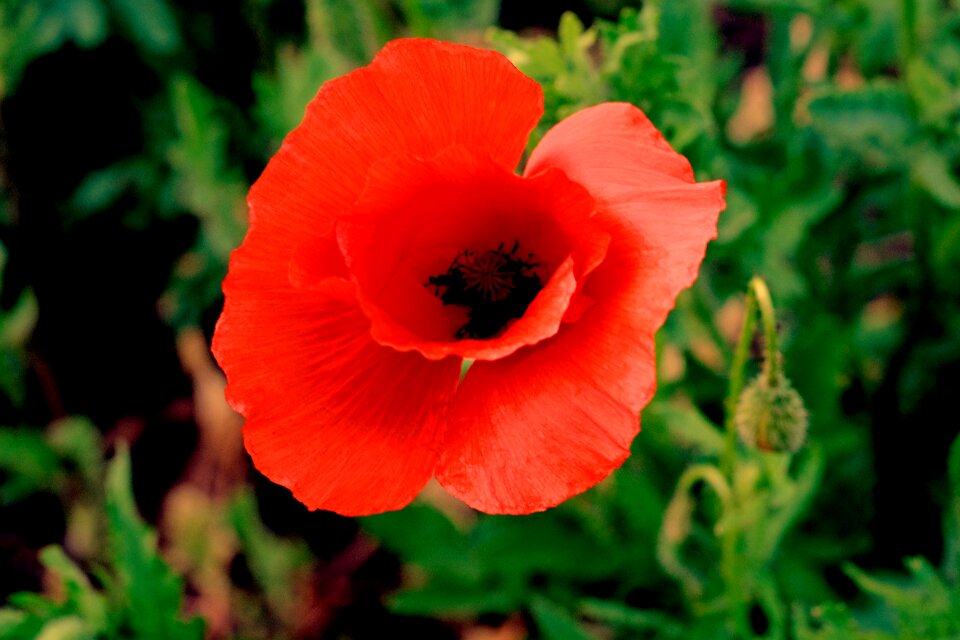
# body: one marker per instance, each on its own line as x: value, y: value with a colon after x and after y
x: 840, y: 147
x: 140, y: 598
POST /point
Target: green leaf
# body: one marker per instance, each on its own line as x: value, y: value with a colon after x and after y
x: 351, y: 29
x: 564, y: 68
x: 951, y: 552
x: 29, y: 462
x: 438, y: 544
x: 873, y: 122
x: 455, y: 600
x: 629, y: 618
x: 436, y: 17
x: 17, y: 325
x: 150, y: 23
x: 556, y: 624
x: 685, y: 427
x: 78, y: 441
x: 923, y: 605
x: 274, y: 562
x: 102, y: 189
x: 931, y: 170
x: 150, y: 591
x: 519, y: 547
x: 31, y: 29
x: 84, y: 21
x: 67, y: 628
x: 81, y: 596
x: 12, y: 622
x: 282, y: 95
x: 205, y: 183
x: 935, y: 98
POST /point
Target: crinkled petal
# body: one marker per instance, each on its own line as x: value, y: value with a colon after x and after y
x: 346, y: 424
x: 615, y: 152
x: 417, y: 97
x: 529, y: 431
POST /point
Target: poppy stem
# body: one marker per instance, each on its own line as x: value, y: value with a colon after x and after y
x: 771, y: 358
x: 735, y: 388
x: 758, y: 299
x: 731, y: 562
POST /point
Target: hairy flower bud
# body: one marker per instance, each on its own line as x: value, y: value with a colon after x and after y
x: 770, y: 414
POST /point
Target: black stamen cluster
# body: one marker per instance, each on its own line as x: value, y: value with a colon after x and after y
x: 518, y: 285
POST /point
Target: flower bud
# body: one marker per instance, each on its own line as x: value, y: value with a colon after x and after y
x: 770, y: 414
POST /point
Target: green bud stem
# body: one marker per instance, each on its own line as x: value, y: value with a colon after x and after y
x: 758, y: 299
x: 758, y: 288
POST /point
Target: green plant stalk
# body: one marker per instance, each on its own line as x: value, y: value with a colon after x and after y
x: 769, y: 319
x: 731, y: 562
x: 735, y: 388
x: 677, y: 524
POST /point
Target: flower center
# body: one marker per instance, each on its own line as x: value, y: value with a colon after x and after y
x: 496, y: 286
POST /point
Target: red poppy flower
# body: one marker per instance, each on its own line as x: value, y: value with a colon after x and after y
x: 390, y: 239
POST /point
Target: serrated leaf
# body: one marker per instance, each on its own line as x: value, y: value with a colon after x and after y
x: 150, y: 590
x: 204, y: 181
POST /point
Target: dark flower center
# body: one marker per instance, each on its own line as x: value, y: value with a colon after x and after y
x: 495, y: 286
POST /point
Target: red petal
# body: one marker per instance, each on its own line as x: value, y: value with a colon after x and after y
x: 415, y: 216
x: 417, y: 97
x: 531, y: 430
x: 345, y: 424
x: 615, y: 152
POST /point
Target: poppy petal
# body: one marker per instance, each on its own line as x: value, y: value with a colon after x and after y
x: 416, y: 97
x: 615, y: 152
x: 529, y: 431
x: 344, y: 423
